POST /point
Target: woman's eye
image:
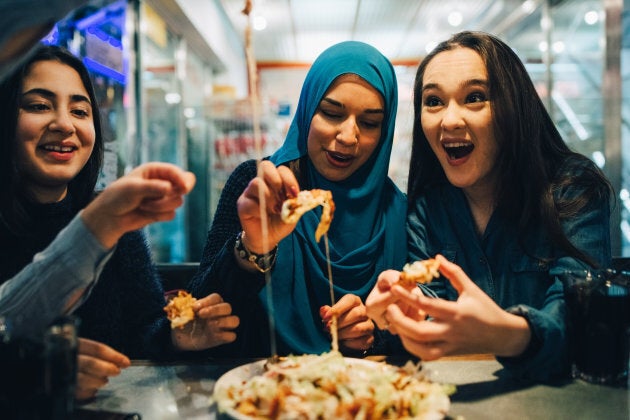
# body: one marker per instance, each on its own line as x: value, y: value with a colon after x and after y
x: 476, y: 97
x: 430, y: 101
x: 371, y: 124
x: 35, y: 107
x: 81, y: 112
x: 329, y: 114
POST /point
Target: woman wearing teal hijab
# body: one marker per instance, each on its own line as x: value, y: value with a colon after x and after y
x: 340, y: 140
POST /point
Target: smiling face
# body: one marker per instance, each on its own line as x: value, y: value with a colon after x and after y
x: 456, y: 119
x: 55, y: 131
x: 346, y: 127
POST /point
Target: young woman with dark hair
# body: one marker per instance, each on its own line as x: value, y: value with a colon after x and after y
x: 52, y: 148
x: 496, y: 193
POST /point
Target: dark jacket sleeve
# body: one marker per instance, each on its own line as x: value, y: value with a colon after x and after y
x: 547, y: 357
x: 220, y: 273
x: 125, y: 308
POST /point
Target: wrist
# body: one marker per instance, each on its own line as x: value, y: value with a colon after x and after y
x: 105, y: 234
x: 261, y: 262
x: 519, y: 338
x: 254, y: 248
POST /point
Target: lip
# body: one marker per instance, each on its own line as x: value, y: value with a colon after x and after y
x: 62, y: 152
x: 339, y: 160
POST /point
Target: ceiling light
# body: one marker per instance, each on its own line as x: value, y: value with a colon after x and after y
x: 455, y: 18
x: 599, y: 159
x: 259, y: 22
x: 557, y: 47
x: 591, y: 17
x: 172, y: 98
x: 528, y: 6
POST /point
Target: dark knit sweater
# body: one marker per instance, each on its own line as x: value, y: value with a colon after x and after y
x: 220, y: 273
x: 124, y: 309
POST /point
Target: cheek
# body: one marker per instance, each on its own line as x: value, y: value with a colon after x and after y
x: 317, y: 135
x: 370, y: 146
x: 26, y: 130
x: 87, y: 135
x: 311, y: 141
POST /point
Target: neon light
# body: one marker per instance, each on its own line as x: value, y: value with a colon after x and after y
x: 104, y: 70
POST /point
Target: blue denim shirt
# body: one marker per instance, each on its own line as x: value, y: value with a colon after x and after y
x: 441, y: 222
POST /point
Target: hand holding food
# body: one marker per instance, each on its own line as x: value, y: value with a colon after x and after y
x: 355, y: 330
x: 213, y: 325
x: 381, y: 296
x: 149, y: 193
x: 474, y: 323
x: 271, y: 187
x: 179, y: 309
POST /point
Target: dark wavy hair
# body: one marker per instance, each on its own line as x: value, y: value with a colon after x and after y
x: 13, y: 195
x: 530, y: 148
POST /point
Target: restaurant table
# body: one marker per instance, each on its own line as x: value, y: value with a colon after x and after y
x: 484, y: 391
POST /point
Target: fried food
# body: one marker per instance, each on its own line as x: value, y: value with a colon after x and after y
x: 179, y: 310
x: 306, y: 200
x: 419, y: 272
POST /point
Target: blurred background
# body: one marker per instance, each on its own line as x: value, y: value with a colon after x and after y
x: 171, y: 77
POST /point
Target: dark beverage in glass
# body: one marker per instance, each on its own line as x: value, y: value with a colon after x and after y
x: 60, y: 374
x: 598, y: 309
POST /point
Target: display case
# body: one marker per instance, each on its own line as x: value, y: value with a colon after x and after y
x: 233, y: 139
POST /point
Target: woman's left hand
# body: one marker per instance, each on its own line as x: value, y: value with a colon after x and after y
x: 472, y: 324
x: 213, y: 325
x: 355, y: 328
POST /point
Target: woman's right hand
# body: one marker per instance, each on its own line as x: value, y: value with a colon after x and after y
x: 96, y: 363
x: 273, y: 185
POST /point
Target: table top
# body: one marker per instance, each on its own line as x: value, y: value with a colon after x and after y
x: 484, y: 391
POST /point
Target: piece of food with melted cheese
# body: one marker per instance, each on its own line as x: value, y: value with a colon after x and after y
x: 419, y: 272
x: 306, y: 200
x: 179, y: 310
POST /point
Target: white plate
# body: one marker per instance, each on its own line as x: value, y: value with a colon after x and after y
x: 234, y: 377
x: 243, y: 373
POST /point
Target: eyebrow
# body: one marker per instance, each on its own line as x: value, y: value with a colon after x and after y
x: 467, y: 83
x: 367, y: 111
x: 51, y: 95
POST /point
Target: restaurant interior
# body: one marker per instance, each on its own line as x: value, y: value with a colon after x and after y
x: 172, y: 79
x: 175, y: 83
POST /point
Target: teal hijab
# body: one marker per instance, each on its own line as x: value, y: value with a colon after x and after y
x: 367, y: 234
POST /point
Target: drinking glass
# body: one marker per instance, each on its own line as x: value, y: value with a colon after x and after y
x: 60, y: 372
x: 598, y: 318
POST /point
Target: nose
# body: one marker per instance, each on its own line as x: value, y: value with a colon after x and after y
x: 62, y: 122
x: 452, y: 117
x: 348, y: 133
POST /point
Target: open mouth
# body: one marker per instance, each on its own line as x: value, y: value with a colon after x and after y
x: 458, y: 150
x: 341, y: 158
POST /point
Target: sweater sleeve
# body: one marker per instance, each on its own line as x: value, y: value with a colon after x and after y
x: 220, y: 273
x: 38, y: 294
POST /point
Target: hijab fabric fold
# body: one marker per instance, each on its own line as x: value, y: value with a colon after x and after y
x: 367, y: 234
